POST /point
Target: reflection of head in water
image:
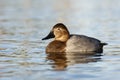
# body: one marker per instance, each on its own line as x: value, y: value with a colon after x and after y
x: 62, y: 60
x: 59, y: 60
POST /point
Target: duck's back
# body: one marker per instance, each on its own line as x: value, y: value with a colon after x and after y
x: 83, y: 43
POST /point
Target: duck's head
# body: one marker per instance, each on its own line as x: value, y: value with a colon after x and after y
x: 59, y: 32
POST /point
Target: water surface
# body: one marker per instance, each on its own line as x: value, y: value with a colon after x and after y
x: 23, y: 23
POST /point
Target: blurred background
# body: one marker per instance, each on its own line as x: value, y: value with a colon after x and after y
x: 23, y: 23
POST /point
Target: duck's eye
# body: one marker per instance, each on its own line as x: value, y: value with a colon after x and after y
x: 58, y: 29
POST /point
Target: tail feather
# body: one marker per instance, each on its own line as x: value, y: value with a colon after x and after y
x: 102, y: 44
x: 100, y: 50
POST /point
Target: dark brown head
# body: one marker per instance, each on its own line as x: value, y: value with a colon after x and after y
x: 59, y: 32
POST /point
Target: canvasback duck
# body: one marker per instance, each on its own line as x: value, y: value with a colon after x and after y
x: 66, y: 42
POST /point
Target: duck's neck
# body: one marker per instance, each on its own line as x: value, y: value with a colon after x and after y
x: 63, y: 38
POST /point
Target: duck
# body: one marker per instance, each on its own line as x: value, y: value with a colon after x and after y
x: 66, y: 42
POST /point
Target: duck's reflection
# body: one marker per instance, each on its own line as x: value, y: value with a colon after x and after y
x: 62, y: 60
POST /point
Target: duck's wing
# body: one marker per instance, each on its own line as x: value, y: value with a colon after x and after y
x: 84, y: 38
x: 82, y: 43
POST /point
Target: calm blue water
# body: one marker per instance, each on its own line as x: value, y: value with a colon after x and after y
x: 23, y: 23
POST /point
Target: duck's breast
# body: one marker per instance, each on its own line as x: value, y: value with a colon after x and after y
x: 56, y: 46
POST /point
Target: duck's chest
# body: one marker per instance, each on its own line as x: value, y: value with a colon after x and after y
x: 56, y: 46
